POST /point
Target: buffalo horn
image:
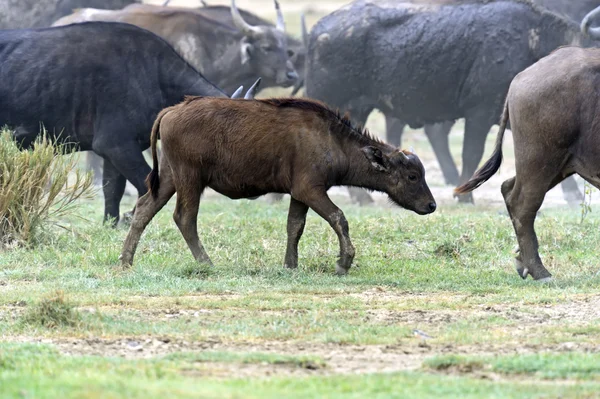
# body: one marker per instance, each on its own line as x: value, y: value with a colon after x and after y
x: 252, y: 90
x: 280, y: 21
x: 587, y: 21
x: 238, y: 92
x: 304, y: 31
x: 239, y: 22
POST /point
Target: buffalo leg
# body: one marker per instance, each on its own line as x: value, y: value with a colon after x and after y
x: 94, y: 164
x: 113, y: 183
x: 128, y: 159
x: 359, y: 195
x: 325, y: 208
x: 295, y: 228
x: 186, y: 214
x: 477, y: 127
x: 571, y: 191
x: 438, y: 137
x: 146, y: 208
x: 523, y: 200
x: 394, y: 128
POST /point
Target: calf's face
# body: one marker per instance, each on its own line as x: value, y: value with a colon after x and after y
x: 402, y: 177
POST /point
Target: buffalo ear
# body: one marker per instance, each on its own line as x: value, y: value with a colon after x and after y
x: 378, y: 160
x: 246, y: 50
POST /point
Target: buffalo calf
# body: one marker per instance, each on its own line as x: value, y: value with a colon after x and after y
x: 248, y: 148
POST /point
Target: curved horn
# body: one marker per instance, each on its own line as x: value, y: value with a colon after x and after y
x: 587, y: 21
x: 239, y: 22
x: 252, y: 90
x: 304, y: 30
x: 238, y: 92
x: 280, y: 22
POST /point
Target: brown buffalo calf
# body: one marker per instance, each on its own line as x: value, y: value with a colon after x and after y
x: 247, y: 148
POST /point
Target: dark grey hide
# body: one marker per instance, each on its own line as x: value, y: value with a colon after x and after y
x: 426, y: 63
x: 20, y: 14
x: 103, y: 100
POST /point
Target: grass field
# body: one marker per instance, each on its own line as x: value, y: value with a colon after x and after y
x: 431, y: 308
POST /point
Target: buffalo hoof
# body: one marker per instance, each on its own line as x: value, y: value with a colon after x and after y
x: 538, y: 274
x: 126, y: 219
x: 340, y: 271
x: 465, y: 198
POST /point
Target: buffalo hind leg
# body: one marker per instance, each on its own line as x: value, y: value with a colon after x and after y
x: 113, y: 186
x: 438, y: 138
x: 522, y: 202
x: 325, y: 208
x: 147, y: 207
x: 295, y: 227
x: 186, y: 215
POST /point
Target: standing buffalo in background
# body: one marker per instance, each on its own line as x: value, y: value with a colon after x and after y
x: 554, y: 112
x: 227, y: 55
x: 228, y: 52
x: 425, y: 62
x: 98, y: 86
x: 20, y: 14
x: 244, y: 149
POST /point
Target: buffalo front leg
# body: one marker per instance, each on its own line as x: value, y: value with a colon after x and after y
x: 295, y: 228
x: 325, y: 208
x: 146, y: 207
x: 186, y: 216
x: 522, y: 203
x: 477, y: 127
x: 394, y: 128
x: 438, y: 137
x: 571, y: 191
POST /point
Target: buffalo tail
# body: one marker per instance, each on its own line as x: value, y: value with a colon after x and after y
x: 492, y: 165
x: 153, y: 181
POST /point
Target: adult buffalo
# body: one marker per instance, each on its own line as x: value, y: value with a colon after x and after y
x: 554, y: 112
x: 426, y: 62
x: 103, y: 100
x: 228, y: 51
x: 228, y: 55
x: 19, y: 14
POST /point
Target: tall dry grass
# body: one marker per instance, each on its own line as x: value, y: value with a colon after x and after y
x: 37, y: 188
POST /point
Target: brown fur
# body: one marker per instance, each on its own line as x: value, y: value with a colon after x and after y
x: 554, y: 112
x: 247, y: 148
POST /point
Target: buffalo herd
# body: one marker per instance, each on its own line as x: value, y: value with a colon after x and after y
x: 112, y: 80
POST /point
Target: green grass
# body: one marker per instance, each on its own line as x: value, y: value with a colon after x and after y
x: 570, y: 365
x: 41, y: 372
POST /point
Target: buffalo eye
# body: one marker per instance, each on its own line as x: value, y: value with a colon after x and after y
x: 291, y: 53
x: 412, y: 178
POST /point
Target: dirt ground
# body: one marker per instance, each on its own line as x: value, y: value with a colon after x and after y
x: 407, y: 354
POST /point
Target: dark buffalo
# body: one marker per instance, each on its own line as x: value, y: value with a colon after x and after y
x: 426, y: 62
x: 20, y: 14
x: 554, y: 112
x: 228, y: 51
x: 103, y: 100
x: 225, y: 54
x: 245, y: 149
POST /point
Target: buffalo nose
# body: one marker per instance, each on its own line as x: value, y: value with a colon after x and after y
x: 432, y: 206
x: 292, y: 75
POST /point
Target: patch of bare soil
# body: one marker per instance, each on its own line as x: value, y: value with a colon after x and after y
x: 338, y: 358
